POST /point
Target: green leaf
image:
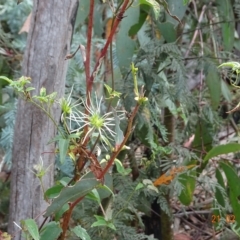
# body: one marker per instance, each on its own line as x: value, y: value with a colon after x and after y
x: 74, y: 135
x: 112, y: 93
x: 72, y: 193
x: 220, y: 178
x: 235, y: 228
x: 202, y: 137
x: 65, y: 181
x: 214, y: 86
x: 168, y: 31
x: 237, y: 44
x: 93, y: 195
x: 136, y: 27
x: 189, y: 183
x: 60, y: 213
x: 43, y: 92
x: 6, y: 79
x: 234, y: 188
x: 218, y: 193
x: 155, y: 6
x: 121, y: 169
x: 124, y: 44
x: 83, y: 11
x: 41, y: 99
x: 143, y: 38
x: 225, y: 9
x: 221, y: 149
x: 31, y: 227
x: 105, y: 190
x: 102, y: 222
x: 226, y: 92
x: 233, y: 65
x: 99, y: 27
x: 55, y: 139
x: 81, y: 232
x: 112, y: 96
x: 139, y: 186
x: 153, y: 188
x: 28, y: 89
x: 119, y: 133
x: 63, y: 149
x: 53, y: 191
x: 175, y: 9
x: 51, y: 230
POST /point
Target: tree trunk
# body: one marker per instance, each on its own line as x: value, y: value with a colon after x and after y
x: 48, y: 43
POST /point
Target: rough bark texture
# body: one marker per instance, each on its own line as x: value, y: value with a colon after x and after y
x: 48, y: 44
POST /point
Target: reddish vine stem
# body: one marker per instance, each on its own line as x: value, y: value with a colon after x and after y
x: 81, y: 161
x: 68, y: 216
x: 89, y: 83
x: 114, y: 155
x: 89, y: 43
x: 90, y: 79
x: 109, y: 40
x: 127, y: 134
x: 88, y: 56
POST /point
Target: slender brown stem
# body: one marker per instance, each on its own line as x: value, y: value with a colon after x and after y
x: 127, y: 134
x: 89, y: 82
x: 90, y: 79
x: 81, y: 161
x: 109, y: 40
x: 67, y: 217
x: 89, y: 42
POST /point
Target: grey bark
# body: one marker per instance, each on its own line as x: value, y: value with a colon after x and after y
x: 47, y: 45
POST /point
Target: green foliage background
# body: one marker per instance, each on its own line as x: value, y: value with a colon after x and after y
x: 185, y: 81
